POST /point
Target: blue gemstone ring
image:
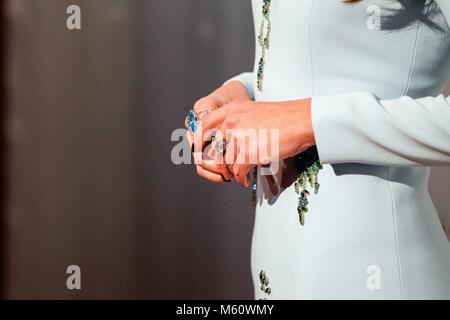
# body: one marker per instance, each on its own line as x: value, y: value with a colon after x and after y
x: 193, y: 119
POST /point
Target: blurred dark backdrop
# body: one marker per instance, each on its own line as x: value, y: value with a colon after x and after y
x: 90, y: 174
x: 3, y: 138
x: 90, y: 178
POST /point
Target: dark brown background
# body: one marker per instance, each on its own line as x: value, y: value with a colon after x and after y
x: 90, y: 177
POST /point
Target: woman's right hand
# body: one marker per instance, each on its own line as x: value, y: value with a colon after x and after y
x: 232, y: 91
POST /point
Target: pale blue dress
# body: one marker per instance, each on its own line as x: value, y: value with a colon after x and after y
x: 380, y: 122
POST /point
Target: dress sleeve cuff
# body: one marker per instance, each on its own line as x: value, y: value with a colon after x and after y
x: 336, y: 127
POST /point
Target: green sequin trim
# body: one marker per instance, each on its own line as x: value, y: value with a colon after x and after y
x: 307, y: 174
x: 308, y: 177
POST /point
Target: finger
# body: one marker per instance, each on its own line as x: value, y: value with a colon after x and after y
x: 240, y: 165
x: 200, y: 138
x: 241, y: 174
x: 208, y: 175
x: 221, y: 169
x: 214, y: 119
x: 207, y: 154
x: 207, y: 103
x: 231, y: 151
x: 210, y: 163
x: 200, y: 147
x: 201, y: 108
x: 208, y: 126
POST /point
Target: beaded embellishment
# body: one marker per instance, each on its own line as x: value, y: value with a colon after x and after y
x: 307, y: 163
x: 308, y: 166
x: 264, y: 283
x: 264, y: 42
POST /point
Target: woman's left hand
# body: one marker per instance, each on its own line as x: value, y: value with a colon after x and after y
x: 257, y: 133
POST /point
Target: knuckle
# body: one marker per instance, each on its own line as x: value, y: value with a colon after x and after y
x: 200, y: 104
x: 208, y: 102
x: 231, y: 121
x: 233, y: 104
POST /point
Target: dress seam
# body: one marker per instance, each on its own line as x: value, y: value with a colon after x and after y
x: 394, y: 218
x: 413, y: 62
x: 391, y: 189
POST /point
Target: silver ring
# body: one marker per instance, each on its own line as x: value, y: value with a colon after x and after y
x: 203, y: 111
x: 221, y: 146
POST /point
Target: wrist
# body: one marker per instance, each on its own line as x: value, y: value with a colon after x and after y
x: 310, y: 138
x: 304, y: 127
x: 236, y: 90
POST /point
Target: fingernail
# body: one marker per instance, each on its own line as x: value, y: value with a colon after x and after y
x: 223, y: 178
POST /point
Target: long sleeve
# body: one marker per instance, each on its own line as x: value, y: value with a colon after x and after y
x: 247, y: 80
x: 360, y: 128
